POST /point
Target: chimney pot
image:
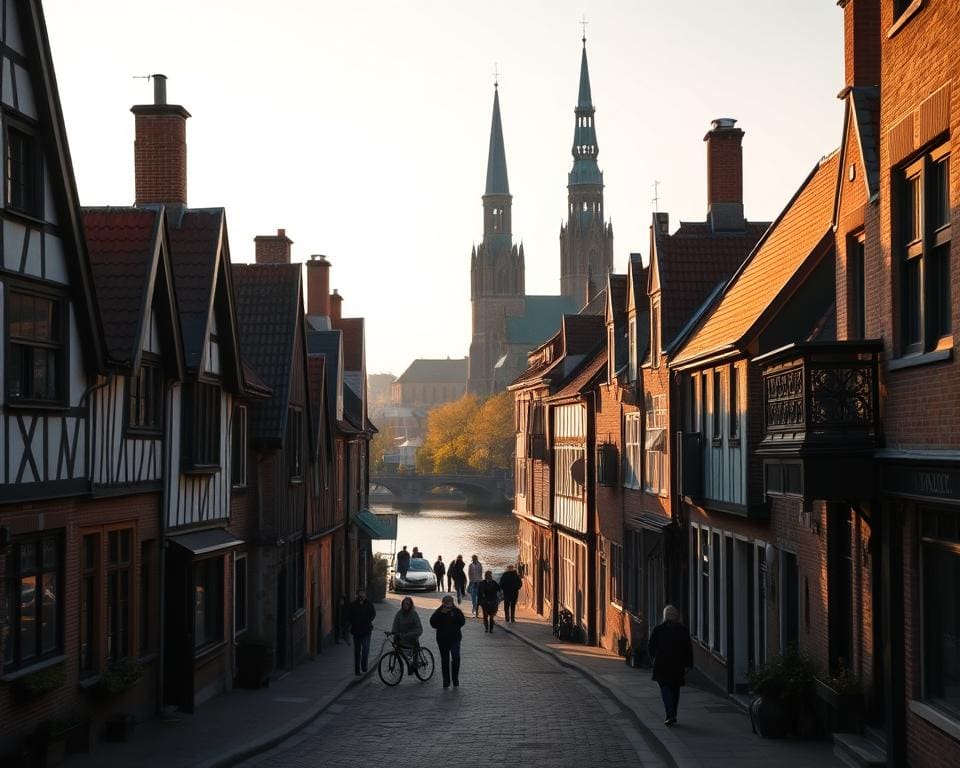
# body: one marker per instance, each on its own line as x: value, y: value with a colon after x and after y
x: 336, y: 300
x: 318, y: 286
x: 159, y: 89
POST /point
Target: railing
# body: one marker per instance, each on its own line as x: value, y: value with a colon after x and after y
x: 821, y: 393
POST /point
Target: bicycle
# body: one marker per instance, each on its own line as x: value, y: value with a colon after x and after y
x: 393, y: 663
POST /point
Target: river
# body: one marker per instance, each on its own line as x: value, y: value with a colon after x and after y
x: 490, y: 535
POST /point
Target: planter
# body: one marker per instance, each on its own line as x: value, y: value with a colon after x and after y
x: 119, y: 728
x: 254, y: 665
x: 38, y: 683
x: 841, y: 712
x: 770, y: 717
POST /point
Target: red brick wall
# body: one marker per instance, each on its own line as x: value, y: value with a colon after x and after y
x: 273, y: 249
x: 724, y: 166
x: 861, y: 34
x: 160, y: 158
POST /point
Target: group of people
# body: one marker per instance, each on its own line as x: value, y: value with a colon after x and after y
x: 404, y: 558
x: 485, y: 593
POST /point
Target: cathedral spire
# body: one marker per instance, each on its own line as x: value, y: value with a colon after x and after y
x: 585, y: 148
x: 497, y: 183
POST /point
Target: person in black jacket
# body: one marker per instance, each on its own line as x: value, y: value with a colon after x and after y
x: 361, y: 614
x: 672, y: 654
x: 488, y: 596
x: 403, y: 562
x: 510, y: 585
x: 459, y: 577
x: 439, y: 569
x: 447, y: 620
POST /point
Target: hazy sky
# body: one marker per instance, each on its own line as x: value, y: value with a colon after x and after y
x: 362, y: 127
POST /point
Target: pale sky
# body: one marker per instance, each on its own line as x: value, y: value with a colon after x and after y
x: 362, y: 127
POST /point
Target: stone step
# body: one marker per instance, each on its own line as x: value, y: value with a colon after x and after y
x: 859, y: 751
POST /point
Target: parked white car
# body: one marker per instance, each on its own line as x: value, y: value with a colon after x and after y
x: 419, y: 577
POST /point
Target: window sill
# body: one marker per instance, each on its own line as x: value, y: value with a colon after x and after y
x: 86, y: 683
x: 35, y: 667
x: 201, y: 469
x: 908, y: 13
x: 24, y: 216
x: 936, y: 717
x: 205, y: 652
x: 912, y: 361
x: 36, y: 405
x: 145, y: 432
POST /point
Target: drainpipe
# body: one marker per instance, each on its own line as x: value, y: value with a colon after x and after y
x: 162, y: 551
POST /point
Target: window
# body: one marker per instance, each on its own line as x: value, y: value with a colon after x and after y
x: 703, y: 599
x: 856, y: 279
x: 632, y: 345
x: 611, y: 355
x: 715, y: 405
x: 295, y: 443
x: 300, y: 577
x: 118, y: 567
x: 716, y: 598
x: 655, y: 335
x: 922, y: 200
x: 238, y: 447
x: 23, y: 174
x: 35, y: 369
x: 239, y: 595
x: 940, y: 556
x: 34, y: 582
x: 146, y: 570
x: 145, y: 398
x: 789, y: 601
x: 208, y: 602
x: 655, y: 446
x: 734, y: 409
x: 616, y: 573
x: 631, y: 466
x: 89, y: 570
x: 783, y: 477
x: 607, y: 464
x: 201, y: 426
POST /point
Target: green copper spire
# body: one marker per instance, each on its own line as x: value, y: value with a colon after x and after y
x: 585, y: 148
x: 497, y: 183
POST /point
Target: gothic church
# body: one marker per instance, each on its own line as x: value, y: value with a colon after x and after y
x: 507, y: 323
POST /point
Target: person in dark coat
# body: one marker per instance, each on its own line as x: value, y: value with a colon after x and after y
x: 510, y: 585
x: 672, y: 654
x: 457, y: 567
x: 447, y: 620
x: 439, y: 569
x: 450, y: 575
x: 360, y: 615
x: 488, y: 597
x: 403, y: 562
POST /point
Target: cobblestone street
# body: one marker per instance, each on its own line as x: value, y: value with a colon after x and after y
x: 514, y: 706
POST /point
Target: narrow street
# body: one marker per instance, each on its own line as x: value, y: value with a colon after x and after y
x: 514, y: 706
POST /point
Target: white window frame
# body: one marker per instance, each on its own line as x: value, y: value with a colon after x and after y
x: 655, y: 461
x: 632, y: 345
x: 632, y: 450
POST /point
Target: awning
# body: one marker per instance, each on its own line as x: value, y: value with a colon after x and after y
x: 652, y: 522
x: 205, y: 542
x: 376, y: 526
x: 656, y: 440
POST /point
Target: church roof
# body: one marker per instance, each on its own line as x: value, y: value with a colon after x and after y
x: 540, y: 319
x: 585, y: 100
x: 423, y: 371
x: 497, y: 183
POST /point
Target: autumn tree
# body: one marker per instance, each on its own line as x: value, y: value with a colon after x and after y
x: 491, y: 434
x: 383, y: 442
x: 468, y: 434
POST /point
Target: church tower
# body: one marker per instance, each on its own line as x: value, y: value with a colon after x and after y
x: 586, y: 242
x: 496, y: 267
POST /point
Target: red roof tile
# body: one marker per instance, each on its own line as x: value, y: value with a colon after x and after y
x: 585, y: 375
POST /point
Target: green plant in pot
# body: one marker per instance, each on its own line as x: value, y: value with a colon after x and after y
x: 783, y: 688
x: 377, y: 589
x: 118, y: 678
x: 38, y: 683
x: 842, y: 694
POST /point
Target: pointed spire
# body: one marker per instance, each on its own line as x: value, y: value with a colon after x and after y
x: 497, y: 183
x: 585, y: 101
x: 585, y: 148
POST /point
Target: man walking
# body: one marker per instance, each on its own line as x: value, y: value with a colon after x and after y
x: 447, y: 620
x: 672, y: 653
x: 361, y: 614
x: 475, y: 574
x: 510, y: 586
x: 403, y: 562
x: 439, y: 569
x: 450, y: 574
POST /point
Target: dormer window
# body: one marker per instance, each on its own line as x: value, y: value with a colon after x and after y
x: 655, y: 335
x: 632, y: 344
x: 37, y: 352
x: 145, y: 398
x: 200, y: 427
x: 23, y: 177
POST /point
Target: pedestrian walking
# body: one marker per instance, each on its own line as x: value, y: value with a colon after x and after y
x: 672, y: 654
x: 361, y: 614
x: 439, y: 570
x: 416, y: 553
x: 450, y: 574
x: 510, y: 586
x: 403, y: 562
x: 475, y: 574
x: 447, y: 620
x: 488, y: 594
x: 408, y: 628
x: 457, y: 567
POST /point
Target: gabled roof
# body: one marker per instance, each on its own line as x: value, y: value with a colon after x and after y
x: 328, y: 344
x: 268, y: 300
x: 540, y: 319
x: 584, y: 377
x: 124, y: 245
x: 352, y: 328
x: 579, y: 336
x: 793, y: 239
x: 691, y: 263
x: 423, y: 371
x: 63, y: 185
x: 862, y: 115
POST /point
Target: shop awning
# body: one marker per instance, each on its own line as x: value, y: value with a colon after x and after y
x: 376, y: 526
x: 656, y: 440
x: 205, y: 542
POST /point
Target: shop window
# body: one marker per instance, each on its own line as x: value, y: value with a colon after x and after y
x: 36, y: 365
x: 208, y: 602
x: 35, y: 600
x: 941, y: 610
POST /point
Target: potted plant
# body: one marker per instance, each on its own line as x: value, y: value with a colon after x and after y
x: 842, y: 695
x: 36, y: 684
x: 377, y: 589
x: 254, y: 661
x: 783, y: 689
x: 118, y: 678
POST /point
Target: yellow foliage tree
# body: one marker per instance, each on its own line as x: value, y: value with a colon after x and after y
x: 468, y: 434
x: 492, y: 434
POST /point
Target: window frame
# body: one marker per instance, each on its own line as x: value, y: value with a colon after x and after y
x: 655, y: 468
x: 294, y: 444
x: 31, y: 208
x: 59, y: 346
x: 14, y: 581
x: 733, y: 405
x: 202, y: 403
x: 616, y: 574
x: 240, y: 595
x: 856, y: 286
x: 238, y: 447
x: 150, y: 399
x: 632, y: 451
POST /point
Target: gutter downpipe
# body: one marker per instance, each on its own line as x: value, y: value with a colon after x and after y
x: 162, y: 552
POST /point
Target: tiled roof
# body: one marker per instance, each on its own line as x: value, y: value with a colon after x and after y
x: 584, y: 376
x: 692, y: 262
x: 582, y: 333
x: 194, y: 246
x: 327, y: 344
x: 540, y: 319
x: 315, y: 386
x: 866, y: 106
x: 642, y: 302
x: 423, y: 371
x: 352, y: 328
x: 617, y: 290
x: 799, y: 229
x: 121, y: 243
x: 267, y: 301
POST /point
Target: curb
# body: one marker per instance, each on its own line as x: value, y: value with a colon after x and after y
x: 656, y: 745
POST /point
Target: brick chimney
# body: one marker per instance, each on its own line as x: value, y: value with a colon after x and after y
x: 861, y: 42
x: 160, y: 149
x: 318, y: 286
x: 335, y: 301
x: 273, y: 249
x: 725, y: 175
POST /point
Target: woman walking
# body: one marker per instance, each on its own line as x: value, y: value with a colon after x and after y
x: 447, y: 620
x: 475, y: 572
x: 488, y: 594
x: 459, y: 577
x: 672, y: 654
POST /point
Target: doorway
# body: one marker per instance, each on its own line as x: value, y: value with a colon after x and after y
x: 281, y: 649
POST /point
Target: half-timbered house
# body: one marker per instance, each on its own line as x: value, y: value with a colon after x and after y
x: 51, y: 354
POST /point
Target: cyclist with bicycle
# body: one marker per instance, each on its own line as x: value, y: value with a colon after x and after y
x: 407, y: 628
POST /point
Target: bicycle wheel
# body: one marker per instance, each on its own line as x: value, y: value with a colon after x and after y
x: 390, y: 668
x: 424, y: 668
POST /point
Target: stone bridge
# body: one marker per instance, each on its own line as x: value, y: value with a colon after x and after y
x: 491, y: 490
